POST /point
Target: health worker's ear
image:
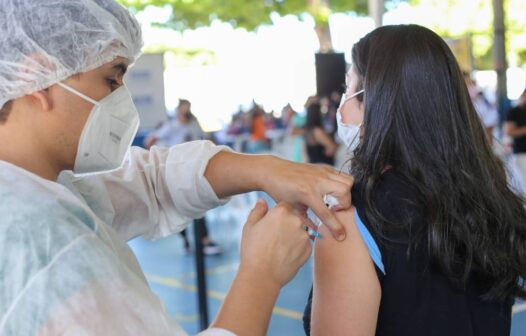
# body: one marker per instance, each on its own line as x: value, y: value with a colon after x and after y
x: 43, y: 99
x: 37, y: 62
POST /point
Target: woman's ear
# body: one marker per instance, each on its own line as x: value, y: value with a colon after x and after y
x: 43, y: 99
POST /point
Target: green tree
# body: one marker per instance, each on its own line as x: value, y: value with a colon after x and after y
x: 457, y: 18
x: 188, y: 14
x: 450, y: 18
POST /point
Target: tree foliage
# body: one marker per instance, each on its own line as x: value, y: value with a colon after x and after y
x: 245, y: 14
x: 457, y: 18
x: 450, y: 18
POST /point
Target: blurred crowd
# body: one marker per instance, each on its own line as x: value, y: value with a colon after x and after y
x: 309, y: 135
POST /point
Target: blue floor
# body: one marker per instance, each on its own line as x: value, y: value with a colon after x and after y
x: 171, y: 274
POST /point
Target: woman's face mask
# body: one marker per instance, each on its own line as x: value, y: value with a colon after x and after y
x: 348, y: 133
x: 108, y: 132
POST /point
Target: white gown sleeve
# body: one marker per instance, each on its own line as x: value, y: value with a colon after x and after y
x: 86, y: 282
x: 64, y: 272
x: 156, y: 193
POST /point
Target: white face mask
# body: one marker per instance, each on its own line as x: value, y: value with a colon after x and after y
x: 108, y: 133
x: 348, y: 133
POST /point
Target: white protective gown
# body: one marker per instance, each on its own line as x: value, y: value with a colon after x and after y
x: 65, y: 267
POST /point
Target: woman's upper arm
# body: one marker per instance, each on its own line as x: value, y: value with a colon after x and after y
x: 347, y: 293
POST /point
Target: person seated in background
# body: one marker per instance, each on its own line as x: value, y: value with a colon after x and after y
x: 437, y: 240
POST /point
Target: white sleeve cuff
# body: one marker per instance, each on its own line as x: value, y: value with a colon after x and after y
x: 191, y: 192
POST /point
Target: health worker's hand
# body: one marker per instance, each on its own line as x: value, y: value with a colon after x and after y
x: 274, y: 244
x: 305, y: 185
x: 273, y: 247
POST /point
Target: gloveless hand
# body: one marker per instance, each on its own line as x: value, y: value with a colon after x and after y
x: 274, y: 244
x: 305, y: 185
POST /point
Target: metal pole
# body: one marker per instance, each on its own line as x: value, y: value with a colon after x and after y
x: 499, y: 55
x: 201, y: 276
x: 376, y: 11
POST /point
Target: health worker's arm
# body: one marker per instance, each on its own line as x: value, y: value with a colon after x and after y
x: 346, y: 293
x: 273, y: 248
x: 303, y: 185
x: 156, y: 193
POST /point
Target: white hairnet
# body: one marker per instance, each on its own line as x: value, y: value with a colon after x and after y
x: 44, y: 42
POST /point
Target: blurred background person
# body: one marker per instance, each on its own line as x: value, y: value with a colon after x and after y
x: 290, y: 121
x: 320, y: 146
x: 295, y: 124
x: 237, y: 132
x: 330, y: 118
x: 183, y: 128
x: 258, y: 128
x: 486, y: 111
x: 515, y: 127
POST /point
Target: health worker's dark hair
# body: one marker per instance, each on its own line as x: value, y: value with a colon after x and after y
x: 4, y: 112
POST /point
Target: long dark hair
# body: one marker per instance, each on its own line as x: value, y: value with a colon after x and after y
x: 419, y: 119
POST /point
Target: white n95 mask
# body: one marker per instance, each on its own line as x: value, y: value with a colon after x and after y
x: 108, y: 132
x: 348, y: 133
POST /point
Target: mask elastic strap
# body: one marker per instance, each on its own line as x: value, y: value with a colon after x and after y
x: 349, y: 98
x: 81, y: 95
x: 355, y: 94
